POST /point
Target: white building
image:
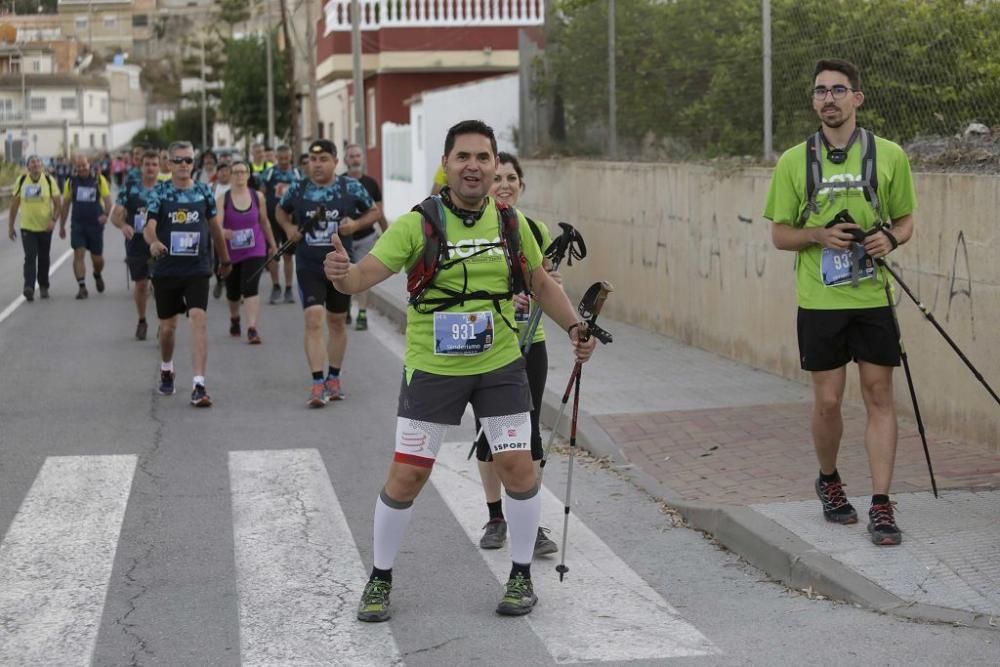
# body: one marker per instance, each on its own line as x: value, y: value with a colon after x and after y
x: 411, y: 153
x: 53, y: 114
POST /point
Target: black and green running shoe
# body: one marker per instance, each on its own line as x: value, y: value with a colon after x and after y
x: 374, y: 607
x: 519, y: 597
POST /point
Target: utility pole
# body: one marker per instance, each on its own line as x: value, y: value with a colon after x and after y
x: 359, y: 81
x: 270, y: 79
x: 612, y: 102
x: 313, y: 84
x: 768, y: 110
x: 204, y: 109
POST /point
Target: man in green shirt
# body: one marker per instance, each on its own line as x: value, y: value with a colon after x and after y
x: 461, y: 351
x: 844, y: 313
x: 36, y: 196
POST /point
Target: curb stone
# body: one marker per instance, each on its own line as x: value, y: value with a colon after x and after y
x: 764, y: 543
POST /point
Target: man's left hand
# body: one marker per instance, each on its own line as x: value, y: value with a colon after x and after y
x: 582, y: 349
x: 878, y: 245
x: 347, y: 226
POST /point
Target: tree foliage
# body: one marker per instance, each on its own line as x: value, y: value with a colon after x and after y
x: 244, y: 92
x: 689, y: 74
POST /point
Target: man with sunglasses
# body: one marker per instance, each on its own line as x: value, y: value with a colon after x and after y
x: 180, y: 216
x: 312, y: 212
x: 838, y: 214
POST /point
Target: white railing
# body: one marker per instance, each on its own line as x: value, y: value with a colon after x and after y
x: 377, y: 14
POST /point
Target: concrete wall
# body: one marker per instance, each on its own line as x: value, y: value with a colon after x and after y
x: 691, y: 257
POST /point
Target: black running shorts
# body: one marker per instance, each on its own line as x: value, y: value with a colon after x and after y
x: 175, y: 295
x: 828, y: 339
x: 316, y: 290
x: 441, y: 399
x: 239, y: 283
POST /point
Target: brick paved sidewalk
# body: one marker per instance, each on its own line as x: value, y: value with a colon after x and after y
x: 763, y: 453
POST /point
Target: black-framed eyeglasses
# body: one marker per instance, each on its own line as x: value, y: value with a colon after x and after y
x: 838, y: 92
x: 182, y: 160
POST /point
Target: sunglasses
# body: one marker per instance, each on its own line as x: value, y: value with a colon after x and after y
x: 182, y: 160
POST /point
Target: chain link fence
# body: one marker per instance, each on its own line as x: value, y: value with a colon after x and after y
x: 689, y: 77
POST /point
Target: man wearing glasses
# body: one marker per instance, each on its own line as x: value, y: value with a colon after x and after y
x: 180, y: 217
x: 312, y: 211
x: 837, y: 214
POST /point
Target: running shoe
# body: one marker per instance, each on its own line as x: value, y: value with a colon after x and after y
x: 99, y: 282
x: 253, y: 338
x: 543, y: 545
x: 234, y: 327
x: 518, y: 598
x: 882, y: 525
x: 317, y: 395
x: 29, y: 294
x: 836, y: 507
x: 43, y: 292
x: 362, y: 322
x: 331, y: 387
x: 200, y: 397
x: 374, y: 607
x: 495, y: 534
x: 275, y: 295
x: 289, y: 297
x: 141, y: 329
x: 82, y: 292
x: 167, y: 383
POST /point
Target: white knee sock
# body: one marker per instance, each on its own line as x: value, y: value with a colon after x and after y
x: 391, y: 518
x: 523, y: 516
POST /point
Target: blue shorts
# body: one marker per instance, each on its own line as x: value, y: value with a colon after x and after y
x: 90, y: 237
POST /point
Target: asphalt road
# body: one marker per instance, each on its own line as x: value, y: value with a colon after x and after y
x: 141, y: 531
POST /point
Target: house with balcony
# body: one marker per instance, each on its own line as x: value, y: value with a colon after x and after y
x: 53, y: 114
x: 412, y: 46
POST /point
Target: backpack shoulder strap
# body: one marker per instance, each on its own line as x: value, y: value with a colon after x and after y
x: 53, y: 186
x: 433, y: 227
x: 869, y: 174
x: 536, y: 232
x: 510, y: 231
x: 20, y: 182
x: 814, y: 176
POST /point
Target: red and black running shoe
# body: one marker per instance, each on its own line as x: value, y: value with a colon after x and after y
x: 836, y: 507
x: 882, y: 525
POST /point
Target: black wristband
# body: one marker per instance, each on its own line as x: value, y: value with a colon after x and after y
x: 892, y: 239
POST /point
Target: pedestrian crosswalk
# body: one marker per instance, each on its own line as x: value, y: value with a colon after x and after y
x: 56, y: 559
x: 298, y: 570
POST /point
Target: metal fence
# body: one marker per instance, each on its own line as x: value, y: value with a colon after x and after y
x: 689, y: 78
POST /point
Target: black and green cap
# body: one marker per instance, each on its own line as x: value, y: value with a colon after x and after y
x: 322, y: 146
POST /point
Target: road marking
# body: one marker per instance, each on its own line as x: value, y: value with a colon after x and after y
x: 298, y: 571
x: 19, y: 300
x: 56, y: 559
x: 604, y: 611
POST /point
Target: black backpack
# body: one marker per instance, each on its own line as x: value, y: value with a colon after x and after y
x: 814, y: 174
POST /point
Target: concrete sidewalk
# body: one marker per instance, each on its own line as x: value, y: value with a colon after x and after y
x: 730, y: 448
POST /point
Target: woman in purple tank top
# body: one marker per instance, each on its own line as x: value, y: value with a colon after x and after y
x: 250, y: 240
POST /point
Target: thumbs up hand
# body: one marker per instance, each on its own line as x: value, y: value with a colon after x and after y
x: 337, y: 263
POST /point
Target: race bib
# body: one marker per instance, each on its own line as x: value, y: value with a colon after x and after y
x: 242, y: 239
x: 322, y: 233
x: 463, y: 333
x: 33, y: 191
x: 184, y: 244
x: 139, y: 222
x: 86, y: 194
x: 835, y: 265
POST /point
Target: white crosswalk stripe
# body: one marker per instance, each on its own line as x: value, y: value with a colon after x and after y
x: 56, y: 559
x: 604, y: 611
x: 298, y: 571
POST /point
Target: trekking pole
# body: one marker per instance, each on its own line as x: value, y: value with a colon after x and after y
x: 288, y: 246
x: 909, y: 382
x: 589, y: 308
x: 562, y: 568
x: 570, y: 243
x: 930, y: 318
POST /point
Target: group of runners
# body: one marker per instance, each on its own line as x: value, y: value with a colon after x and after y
x: 473, y: 261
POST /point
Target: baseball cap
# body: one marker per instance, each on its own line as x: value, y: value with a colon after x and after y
x: 323, y: 146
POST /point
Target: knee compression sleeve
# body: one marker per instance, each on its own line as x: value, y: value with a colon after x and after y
x: 417, y: 442
x: 508, y: 433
